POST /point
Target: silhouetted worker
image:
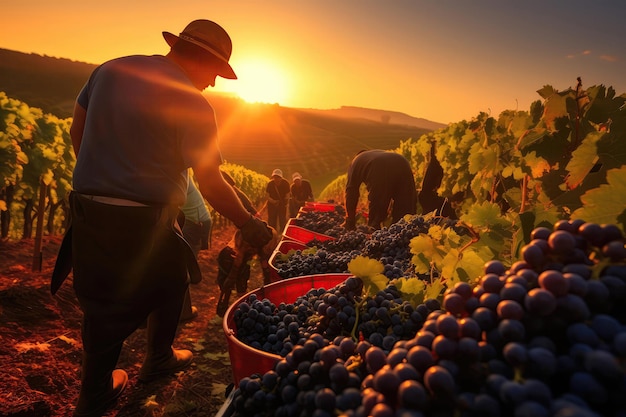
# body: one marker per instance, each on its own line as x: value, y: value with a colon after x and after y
x: 428, y: 198
x: 388, y: 178
x: 278, y: 193
x: 139, y: 123
x: 301, y: 192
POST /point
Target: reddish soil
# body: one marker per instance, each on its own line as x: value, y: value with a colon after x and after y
x: 40, y: 344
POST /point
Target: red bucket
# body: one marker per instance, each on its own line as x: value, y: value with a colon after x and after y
x: 244, y: 359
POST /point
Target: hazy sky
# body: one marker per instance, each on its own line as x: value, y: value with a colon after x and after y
x: 443, y: 60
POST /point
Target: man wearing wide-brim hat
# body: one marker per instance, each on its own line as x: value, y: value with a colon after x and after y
x: 139, y: 123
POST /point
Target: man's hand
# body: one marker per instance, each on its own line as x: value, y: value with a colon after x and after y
x: 256, y: 232
x: 350, y: 223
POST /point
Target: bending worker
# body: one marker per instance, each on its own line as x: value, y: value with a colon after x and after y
x: 388, y: 178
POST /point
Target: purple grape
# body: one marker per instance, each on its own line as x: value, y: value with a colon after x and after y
x: 406, y: 371
x: 444, y: 347
x: 513, y: 291
x: 611, y: 232
x: 540, y: 302
x: 375, y: 358
x: 531, y: 409
x: 540, y: 233
x: 533, y: 254
x: 325, y: 399
x: 576, y: 283
x: 439, y: 382
x: 593, y: 233
x: 468, y: 327
x: 382, y: 410
x: 454, y: 303
x: 511, y: 330
x: 554, y: 282
x: 561, y: 242
x: 512, y: 393
x: 515, y: 354
x: 421, y: 358
x: 412, y: 395
x: 615, y: 250
x: 491, y: 283
x: 586, y: 386
x: 448, y: 326
x: 494, y: 267
x: 386, y: 381
x: 489, y: 300
x: 510, y: 309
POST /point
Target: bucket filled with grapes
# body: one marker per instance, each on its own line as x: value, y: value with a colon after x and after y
x: 544, y: 336
x: 254, y: 323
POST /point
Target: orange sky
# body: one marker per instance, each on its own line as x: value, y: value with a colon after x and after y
x: 440, y: 60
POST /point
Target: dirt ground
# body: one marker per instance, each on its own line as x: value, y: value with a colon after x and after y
x: 40, y: 344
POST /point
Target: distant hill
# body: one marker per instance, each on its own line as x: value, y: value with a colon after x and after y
x: 317, y: 143
x: 383, y: 116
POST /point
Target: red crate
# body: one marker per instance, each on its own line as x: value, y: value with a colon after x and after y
x: 300, y: 234
x: 284, y: 246
x: 246, y: 360
x: 319, y: 206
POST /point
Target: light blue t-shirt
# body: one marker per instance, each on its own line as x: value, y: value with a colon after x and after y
x: 195, y: 209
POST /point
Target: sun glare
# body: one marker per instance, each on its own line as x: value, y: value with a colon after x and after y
x: 260, y: 82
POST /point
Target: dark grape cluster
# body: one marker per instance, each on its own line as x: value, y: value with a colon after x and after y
x: 324, y: 222
x: 382, y: 319
x: 320, y: 262
x: 390, y: 245
x: 543, y: 337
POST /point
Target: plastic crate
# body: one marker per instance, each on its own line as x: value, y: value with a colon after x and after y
x: 319, y: 206
x: 284, y: 246
x: 300, y: 234
x: 244, y: 359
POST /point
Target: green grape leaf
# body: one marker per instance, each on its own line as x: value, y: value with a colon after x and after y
x: 513, y: 170
x: 410, y: 286
x: 364, y: 267
x: 583, y: 160
x: 484, y: 214
x: 538, y: 165
x: 375, y: 283
x: 472, y: 263
x: 607, y: 203
x: 434, y: 289
x: 546, y: 91
x: 531, y: 136
x: 370, y: 272
x: 449, y: 265
x: 423, y: 245
x: 483, y: 159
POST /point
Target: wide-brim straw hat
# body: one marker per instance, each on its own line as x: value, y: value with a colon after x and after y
x: 209, y: 36
x: 277, y: 172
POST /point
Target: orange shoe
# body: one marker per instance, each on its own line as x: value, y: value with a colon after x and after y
x: 98, y: 404
x: 152, y: 370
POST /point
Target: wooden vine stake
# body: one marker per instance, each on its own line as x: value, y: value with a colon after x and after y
x: 37, y: 254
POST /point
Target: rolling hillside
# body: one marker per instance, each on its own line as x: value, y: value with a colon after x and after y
x: 317, y: 143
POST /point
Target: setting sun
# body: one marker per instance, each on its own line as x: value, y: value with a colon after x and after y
x: 259, y: 81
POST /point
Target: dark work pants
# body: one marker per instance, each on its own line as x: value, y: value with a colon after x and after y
x: 277, y: 216
x: 129, y: 265
x: 404, y: 199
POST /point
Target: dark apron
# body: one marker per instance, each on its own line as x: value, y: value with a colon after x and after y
x: 63, y: 264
